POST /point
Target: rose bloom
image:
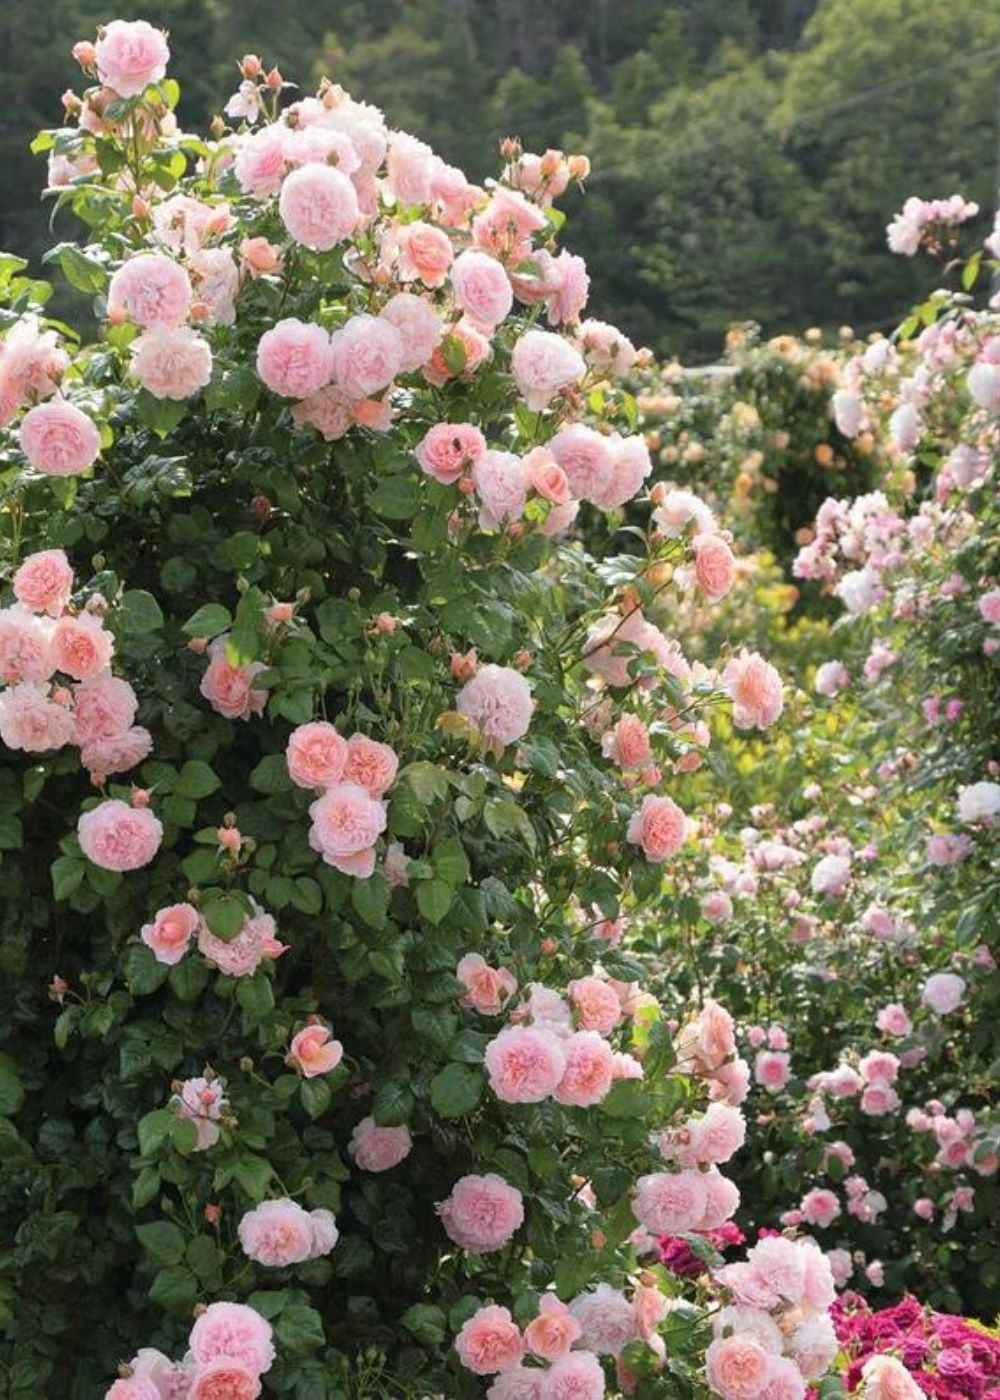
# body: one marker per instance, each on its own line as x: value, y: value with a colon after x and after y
x: 886, y: 1378
x: 578, y: 1376
x: 318, y: 206
x: 831, y: 876
x: 715, y: 1137
x: 81, y: 647
x: 631, y: 464
x: 517, y: 1383
x: 169, y: 935
x: 228, y: 688
x: 587, y: 458
x: 371, y: 765
x: 543, y: 365
x: 202, y: 1103
x: 259, y: 163
x: 552, y: 1333
x: 315, y: 1052
x: 449, y: 449
x: 277, y: 1233
x: 820, y: 1207
x: 486, y: 988
x: 670, y: 1203
x: 482, y: 288
x: 329, y: 411
x: 376, y: 1149
x: 525, y: 1064
x: 489, y: 1341
x: 482, y: 1213
x: 58, y: 439
x: 738, y: 1367
x: 659, y: 827
x: 755, y: 689
x: 497, y: 701
x: 30, y: 720
x: 223, y: 1380
x: 150, y: 289
x: 316, y: 755
x: 628, y: 743
x: 462, y: 337
x: 573, y: 286
x: 259, y: 257
x: 714, y: 566
x: 771, y: 1070
x: 133, y: 1388
x: 606, y: 1318
x: 171, y: 362
x: 294, y: 358
x: 502, y: 481
x: 989, y: 607
x: 25, y: 646
x: 942, y: 993
x: 419, y: 326
x: 129, y: 55
x: 607, y: 350
x: 716, y: 907
x: 979, y: 802
x: 595, y: 1003
x: 547, y: 477
x: 893, y: 1020
x: 44, y: 582
x: 116, y: 836
x: 346, y: 823
x: 423, y: 253
x: 589, y: 1071
x: 241, y: 956
x: 367, y: 354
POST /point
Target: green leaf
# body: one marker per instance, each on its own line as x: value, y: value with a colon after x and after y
x: 299, y: 1330
x: 370, y: 899
x: 225, y: 915
x: 196, y: 779
x: 425, y: 1322
x: 450, y: 861
x: 254, y: 1174
x: 255, y: 995
x: 426, y: 781
x: 434, y: 899
x: 243, y: 643
x: 456, y: 1090
x: 174, y: 1289
x: 144, y: 1187
x: 11, y: 1088
x: 161, y: 416
x: 392, y: 1102
x: 208, y: 621
x: 315, y: 1095
x: 396, y: 498
x: 627, y: 1098
x: 84, y: 273
x: 67, y: 876
x: 140, y: 612
x: 143, y: 974
x: 162, y: 1242
x: 271, y: 775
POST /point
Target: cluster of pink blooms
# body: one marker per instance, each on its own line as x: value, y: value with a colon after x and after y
x: 908, y: 1351
x: 928, y: 222
x: 55, y: 663
x: 230, y: 1347
x: 279, y: 1233
x: 170, y: 932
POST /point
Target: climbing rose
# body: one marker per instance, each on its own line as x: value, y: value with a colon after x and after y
x: 482, y: 288
x: 280, y: 1232
x: 81, y: 647
x: 318, y: 206
x: 171, y: 362
x: 738, y: 1367
x: 552, y: 1333
x: 943, y: 992
x: 482, y: 1213
x: 233, y: 1331
x: 223, y: 1380
x: 366, y: 355
x: 714, y: 566
x: 241, y: 956
x: 371, y: 765
x: 58, y: 439
x: 316, y: 755
x: 886, y: 1378
x: 44, y: 582
x: 228, y: 688
x: 131, y: 54
x: 659, y: 827
x: 497, y: 701
x: 315, y: 1052
x: 755, y: 689
x: 294, y: 358
x: 151, y: 290
x: 32, y: 721
x: 525, y: 1064
x: 486, y: 988
x: 116, y: 836
x: 169, y: 935
x: 489, y: 1341
x: 670, y: 1203
x: 543, y: 365
x: 449, y: 449
x: 578, y: 1376
x: 346, y: 823
x: 376, y: 1149
x: 589, y: 1070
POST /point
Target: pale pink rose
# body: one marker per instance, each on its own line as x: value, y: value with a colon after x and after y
x: 419, y: 326
x: 627, y: 744
x: 25, y: 646
x: 373, y: 766
x: 738, y: 1367
x: 30, y: 720
x: 989, y: 607
x: 129, y: 55
x: 502, y: 481
x: 879, y: 1064
x: 259, y: 164
x: 319, y: 207
x: 782, y: 1264
x: 466, y: 342
x: 236, y: 1332
x: 755, y: 689
x: 396, y: 866
x: 670, y: 1203
x: 578, y: 1376
x: 595, y: 1003
x: 228, y: 688
x: 786, y: 1381
x: 376, y: 1149
x: 202, y: 1102
x: 259, y: 257
x: 586, y: 457
x: 525, y: 1064
x: 346, y: 823
x: 943, y: 992
x: 606, y: 1318
x: 276, y: 1233
x: 423, y: 253
x: 543, y: 365
x: 659, y: 827
x: 486, y: 988
x: 886, y: 1378
x: 411, y: 166
x: 216, y: 280
x: 848, y: 412
x: 324, y: 1232
x: 606, y: 349
x: 650, y: 1308
x: 81, y: 647
x: 893, y: 1020
x: 680, y: 508
x: 612, y: 642
x: 449, y: 449
x: 116, y: 836
x: 315, y: 1052
x: 170, y: 1378
x: 831, y: 678
x: 241, y: 956
x: 589, y: 1070
x: 631, y: 464
x: 979, y: 802
x: 482, y: 1213
x: 820, y: 1207
x: 559, y: 520
x: 722, y: 1199
x: 44, y: 582
x: 748, y: 1321
x: 517, y: 1383
x: 169, y: 935
x: 813, y: 1345
x: 547, y: 477
x: 498, y: 702
x: 626, y: 1066
x: 294, y: 358
x: 151, y: 290
x: 482, y: 288
x: 714, y: 566
x: 367, y: 354
x: 330, y: 412
x: 58, y: 439
x: 771, y: 1070
x: 715, y: 1137
x: 117, y: 753
x: 572, y: 288
x: 552, y: 1333
x: 716, y: 907
x: 223, y: 1380
x: 171, y: 362
x: 316, y: 755
x: 133, y: 1388
x: 376, y: 414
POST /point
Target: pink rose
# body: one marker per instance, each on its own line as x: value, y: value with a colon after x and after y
x: 525, y: 1064
x: 30, y: 720
x: 630, y: 466
x: 820, y: 1207
x: 346, y: 823
x: 294, y: 358
x: 129, y: 55
x: 659, y: 827
x: 543, y: 365
x: 259, y: 257
x: 151, y: 290
x: 489, y: 1341
x: 133, y: 1388
x: 482, y: 1213
x: 572, y: 288
x: 607, y: 1319
x: 81, y: 647
x: 606, y: 349
x: 330, y: 412
x: 627, y: 744
x: 587, y: 458
x: 373, y: 766
x: 771, y: 1070
x: 486, y: 988
x: 502, y: 481
x: 670, y: 1203
x: 228, y: 688
x: 714, y: 566
x: 419, y: 326
x: 411, y: 166
x: 280, y: 1232
x: 241, y: 956
x: 595, y: 1003
x: 319, y: 207
x: 482, y: 288
x: 589, y: 1070
x: 578, y: 1376
x: 25, y: 646
x: 202, y: 1102
x: 314, y: 1051
x: 552, y: 1333
x: 58, y: 439
x: 116, y: 836
x: 738, y: 1367
x: 497, y: 702
x: 547, y: 477
x: 943, y: 992
x: 171, y: 362
x: 893, y: 1020
x: 423, y: 254
x: 449, y: 449
x: 116, y: 753
x: 316, y: 755
x: 170, y: 933
x: 367, y: 354
x: 223, y: 1380
x: 466, y: 342
x: 44, y: 582
x: 259, y: 164
x: 377, y: 1149
x: 755, y: 689
x: 886, y: 1378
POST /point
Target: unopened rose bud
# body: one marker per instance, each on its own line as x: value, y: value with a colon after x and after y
x: 386, y: 623
x: 463, y: 665
x: 280, y: 612
x: 522, y: 660
x: 200, y: 311
x: 354, y: 595
x: 510, y: 147
x: 213, y: 1213
x: 217, y: 127
x: 70, y: 101
x: 140, y: 797
x: 199, y: 645
x: 274, y: 80
x: 551, y: 163
x: 548, y: 947
x: 250, y: 65
x: 140, y: 209
x: 62, y: 696
x: 229, y: 838
x: 117, y: 316
x: 644, y: 357
x: 58, y: 988
x: 579, y: 167
x: 85, y: 53
x: 598, y: 1239
x: 260, y: 509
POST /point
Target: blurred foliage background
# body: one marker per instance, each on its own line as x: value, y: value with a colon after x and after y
x: 747, y: 153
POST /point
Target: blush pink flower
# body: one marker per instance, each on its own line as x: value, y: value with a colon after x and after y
x: 44, y: 582
x: 150, y: 289
x: 755, y: 689
x: 30, y: 720
x: 279, y: 1233
x: 423, y: 253
x: 316, y: 755
x: 607, y: 1319
x: 820, y: 1207
x: 552, y: 1333
x: 631, y: 465
x: 543, y: 365
x: 771, y: 1070
x: 893, y: 1020
x: 482, y: 288
x: 171, y: 362
x: 715, y: 1137
x: 517, y: 1383
x: 714, y: 566
x: 346, y: 823
x: 525, y: 1064
x: 314, y: 1051
x: 377, y: 1149
x: 489, y: 1341
x: 259, y: 163
x: 169, y: 935
x: 202, y: 1102
x: 498, y: 702
x: 449, y: 449
x: 670, y: 1203
x: 25, y: 646
x: 627, y: 744
x: 367, y: 354
x: 502, y: 481
x: 572, y: 288
x: 116, y: 836
x: 547, y: 477
x: 129, y: 55
x: 586, y: 457
x: 319, y: 207
x: 228, y: 688
x: 486, y: 988
x: 596, y: 1004
x: 81, y: 647
x: 135, y: 1387
x: 482, y: 1213
x: 373, y: 766
x: 463, y: 340
x: 886, y: 1378
x: 578, y: 1376
x: 58, y: 439
x: 419, y: 326
x: 329, y: 411
x: 241, y: 956
x: 738, y: 1367
x: 589, y: 1071
x: 659, y: 827
x: 943, y: 992
x: 223, y: 1380
x: 294, y: 358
